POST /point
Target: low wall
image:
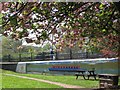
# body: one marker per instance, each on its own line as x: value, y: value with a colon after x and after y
x: 8, y: 66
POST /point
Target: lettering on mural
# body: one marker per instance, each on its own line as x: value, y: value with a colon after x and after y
x: 62, y: 66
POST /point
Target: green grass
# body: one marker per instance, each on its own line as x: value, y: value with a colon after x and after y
x: 0, y: 79
x: 15, y: 82
x: 68, y: 80
x: 63, y: 79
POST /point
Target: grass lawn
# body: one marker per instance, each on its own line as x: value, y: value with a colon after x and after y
x: 15, y: 82
x: 63, y: 79
x: 67, y: 80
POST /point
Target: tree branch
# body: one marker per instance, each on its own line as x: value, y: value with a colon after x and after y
x: 20, y: 10
x: 109, y: 18
x: 87, y: 8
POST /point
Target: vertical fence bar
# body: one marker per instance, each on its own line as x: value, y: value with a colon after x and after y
x: 31, y: 56
x: 56, y: 55
x: 70, y: 53
x: 87, y: 55
x: 43, y: 56
x: 9, y: 57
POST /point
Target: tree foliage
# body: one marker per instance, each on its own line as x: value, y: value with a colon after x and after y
x: 10, y: 46
x: 64, y: 23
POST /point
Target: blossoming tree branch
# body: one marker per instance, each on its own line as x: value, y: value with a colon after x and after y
x: 65, y: 24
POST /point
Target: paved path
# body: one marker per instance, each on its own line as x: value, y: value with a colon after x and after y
x: 46, y: 81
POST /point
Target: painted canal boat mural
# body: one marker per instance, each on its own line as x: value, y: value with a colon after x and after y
x: 99, y: 65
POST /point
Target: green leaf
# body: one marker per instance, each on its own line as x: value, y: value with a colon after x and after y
x: 101, y: 14
x: 20, y: 1
x: 25, y: 12
x: 101, y: 6
x: 34, y: 8
x: 13, y: 20
x: 44, y: 35
x: 33, y: 26
x: 1, y: 18
x: 103, y: 30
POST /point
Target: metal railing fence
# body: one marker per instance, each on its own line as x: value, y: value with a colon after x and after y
x: 48, y: 56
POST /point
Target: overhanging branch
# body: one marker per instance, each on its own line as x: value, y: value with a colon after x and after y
x: 19, y: 11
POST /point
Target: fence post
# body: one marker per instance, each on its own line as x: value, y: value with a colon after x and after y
x: 56, y: 56
x: 9, y: 57
x: 70, y: 53
x: 43, y: 56
x: 31, y: 56
x: 87, y: 55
